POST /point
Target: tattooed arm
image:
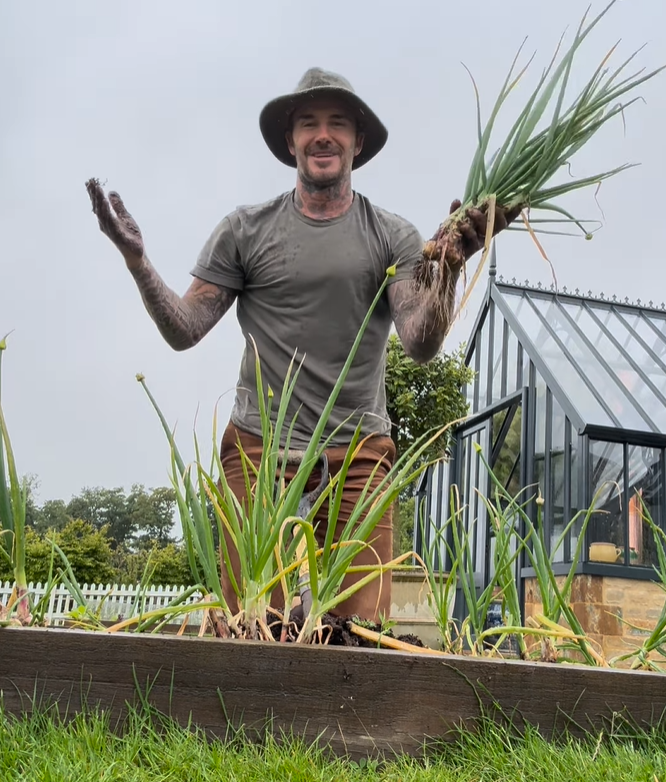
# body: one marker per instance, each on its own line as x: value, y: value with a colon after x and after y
x: 182, y: 320
x: 422, y: 318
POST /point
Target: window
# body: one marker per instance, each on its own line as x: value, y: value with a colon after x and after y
x: 607, y: 524
x: 556, y: 495
x: 512, y: 365
x: 498, y: 354
x: 645, y: 499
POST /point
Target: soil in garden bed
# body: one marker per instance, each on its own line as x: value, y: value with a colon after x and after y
x: 337, y: 631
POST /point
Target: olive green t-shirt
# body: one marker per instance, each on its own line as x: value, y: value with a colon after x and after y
x: 304, y: 287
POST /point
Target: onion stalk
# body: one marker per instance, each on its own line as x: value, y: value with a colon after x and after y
x: 517, y: 178
x: 274, y: 539
x: 13, y: 497
x: 268, y: 528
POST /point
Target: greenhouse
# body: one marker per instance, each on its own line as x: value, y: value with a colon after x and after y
x: 568, y: 406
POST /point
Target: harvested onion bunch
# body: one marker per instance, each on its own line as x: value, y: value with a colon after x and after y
x: 516, y: 177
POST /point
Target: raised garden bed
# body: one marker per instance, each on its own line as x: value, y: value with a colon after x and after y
x: 359, y: 701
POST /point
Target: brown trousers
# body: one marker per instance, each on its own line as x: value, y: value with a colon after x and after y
x: 375, y: 598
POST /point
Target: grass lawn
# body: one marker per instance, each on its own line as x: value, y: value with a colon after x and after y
x: 43, y: 748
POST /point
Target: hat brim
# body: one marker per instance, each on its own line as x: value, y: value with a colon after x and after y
x: 274, y: 122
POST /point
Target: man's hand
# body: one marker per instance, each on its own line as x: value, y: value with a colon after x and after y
x: 472, y: 233
x: 182, y: 320
x: 117, y: 223
x: 423, y: 317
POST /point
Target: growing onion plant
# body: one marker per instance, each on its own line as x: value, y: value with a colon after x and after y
x: 556, y: 625
x: 275, y: 541
x: 651, y: 654
x: 13, y: 497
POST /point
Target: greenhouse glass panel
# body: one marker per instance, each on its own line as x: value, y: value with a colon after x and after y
x: 607, y: 525
x: 648, y: 332
x: 576, y: 527
x: 498, y: 362
x: 563, y: 357
x: 474, y: 485
x: 540, y: 434
x: 650, y: 366
x: 505, y: 462
x: 580, y: 342
x: 556, y: 500
x: 481, y: 382
x: 512, y: 364
x: 507, y: 430
x: 645, y: 496
x: 629, y: 393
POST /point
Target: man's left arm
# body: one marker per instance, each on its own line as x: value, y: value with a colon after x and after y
x: 423, y: 316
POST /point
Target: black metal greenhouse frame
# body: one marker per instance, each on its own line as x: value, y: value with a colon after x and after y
x: 555, y: 352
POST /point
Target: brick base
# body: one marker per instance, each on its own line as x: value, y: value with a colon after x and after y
x: 616, y: 613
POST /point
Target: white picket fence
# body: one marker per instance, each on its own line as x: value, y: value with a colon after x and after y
x: 117, y: 601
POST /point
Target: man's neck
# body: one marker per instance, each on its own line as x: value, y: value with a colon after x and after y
x: 323, y: 203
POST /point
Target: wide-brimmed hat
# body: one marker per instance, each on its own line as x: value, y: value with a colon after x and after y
x: 318, y: 83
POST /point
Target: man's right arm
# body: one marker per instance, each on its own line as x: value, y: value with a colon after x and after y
x: 185, y: 320
x: 182, y: 320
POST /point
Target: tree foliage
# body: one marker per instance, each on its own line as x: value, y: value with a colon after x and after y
x: 87, y: 549
x: 106, y: 534
x: 133, y: 521
x: 163, y: 565
x: 421, y: 397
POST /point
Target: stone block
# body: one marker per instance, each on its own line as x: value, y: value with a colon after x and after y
x: 598, y: 618
x: 640, y: 629
x: 587, y: 589
x: 614, y: 595
x: 609, y: 620
x: 532, y: 591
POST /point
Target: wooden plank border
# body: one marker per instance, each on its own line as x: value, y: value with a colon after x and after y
x: 361, y: 702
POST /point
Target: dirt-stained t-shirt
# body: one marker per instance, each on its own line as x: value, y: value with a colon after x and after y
x: 304, y: 287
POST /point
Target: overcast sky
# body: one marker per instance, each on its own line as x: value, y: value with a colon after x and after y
x: 161, y: 100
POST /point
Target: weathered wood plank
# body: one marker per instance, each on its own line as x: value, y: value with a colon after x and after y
x: 361, y: 700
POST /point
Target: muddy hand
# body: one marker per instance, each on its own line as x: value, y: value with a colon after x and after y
x: 116, y: 223
x: 473, y: 230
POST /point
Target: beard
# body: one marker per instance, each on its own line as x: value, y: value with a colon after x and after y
x: 315, y: 180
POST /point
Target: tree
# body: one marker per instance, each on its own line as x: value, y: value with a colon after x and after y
x: 135, y: 519
x: 52, y: 515
x: 168, y: 566
x: 421, y: 398
x: 88, y: 551
x: 104, y: 509
x: 152, y: 514
x: 31, y: 510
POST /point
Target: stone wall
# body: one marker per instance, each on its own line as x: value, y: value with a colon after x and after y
x: 616, y: 613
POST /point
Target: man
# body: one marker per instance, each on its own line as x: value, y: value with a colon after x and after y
x: 303, y: 269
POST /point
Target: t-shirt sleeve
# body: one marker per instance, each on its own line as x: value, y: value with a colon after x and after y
x: 220, y: 259
x: 406, y: 248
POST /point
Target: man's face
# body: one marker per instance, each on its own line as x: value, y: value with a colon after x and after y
x: 325, y: 141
